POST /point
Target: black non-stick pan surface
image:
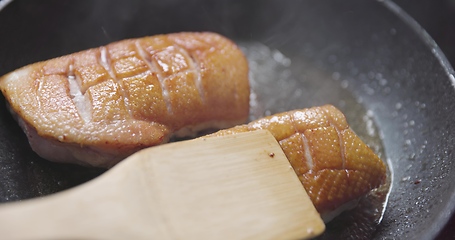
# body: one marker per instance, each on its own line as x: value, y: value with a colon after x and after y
x: 366, y: 57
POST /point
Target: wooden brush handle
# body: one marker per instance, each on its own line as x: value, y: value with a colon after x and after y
x: 231, y: 187
x: 112, y: 206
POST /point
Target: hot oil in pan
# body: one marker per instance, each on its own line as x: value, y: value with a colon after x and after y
x: 281, y: 84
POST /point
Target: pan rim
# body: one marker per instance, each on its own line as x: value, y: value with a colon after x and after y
x: 4, y: 3
x: 449, y: 208
x: 424, y: 35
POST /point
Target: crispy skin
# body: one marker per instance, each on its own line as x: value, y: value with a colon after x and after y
x: 331, y: 161
x: 98, y: 106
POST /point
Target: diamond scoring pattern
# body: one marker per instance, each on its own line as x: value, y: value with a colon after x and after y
x: 120, y: 94
x: 343, y: 167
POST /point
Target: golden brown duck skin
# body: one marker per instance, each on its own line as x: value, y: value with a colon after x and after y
x: 334, y: 165
x: 98, y: 106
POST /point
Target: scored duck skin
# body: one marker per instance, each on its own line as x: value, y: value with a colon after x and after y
x: 98, y: 106
x: 334, y: 165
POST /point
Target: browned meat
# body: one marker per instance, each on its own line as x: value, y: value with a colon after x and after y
x: 98, y: 106
x: 334, y: 165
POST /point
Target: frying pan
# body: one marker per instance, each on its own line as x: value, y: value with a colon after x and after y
x: 368, y: 58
